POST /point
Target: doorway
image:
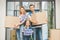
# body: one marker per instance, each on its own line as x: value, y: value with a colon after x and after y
x: 12, y: 9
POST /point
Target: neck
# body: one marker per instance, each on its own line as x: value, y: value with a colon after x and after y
x: 33, y: 12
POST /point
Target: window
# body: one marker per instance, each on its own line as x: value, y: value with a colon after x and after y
x: 26, y: 4
x: 12, y: 8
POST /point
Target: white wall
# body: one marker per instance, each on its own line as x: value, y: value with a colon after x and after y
x: 2, y: 19
x: 58, y: 14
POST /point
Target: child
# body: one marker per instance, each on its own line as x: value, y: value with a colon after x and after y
x: 27, y: 32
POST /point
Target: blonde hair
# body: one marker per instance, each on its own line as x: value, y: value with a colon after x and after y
x: 23, y: 8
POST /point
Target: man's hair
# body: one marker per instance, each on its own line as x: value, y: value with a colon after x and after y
x: 32, y: 5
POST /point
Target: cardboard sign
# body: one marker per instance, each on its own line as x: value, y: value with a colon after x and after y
x: 54, y: 34
x: 10, y: 21
x: 40, y: 17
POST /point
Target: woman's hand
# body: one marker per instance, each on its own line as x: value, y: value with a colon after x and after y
x: 15, y: 26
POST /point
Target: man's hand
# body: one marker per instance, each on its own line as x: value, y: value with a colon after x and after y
x: 33, y: 21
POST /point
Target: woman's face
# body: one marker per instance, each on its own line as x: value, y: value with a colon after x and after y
x: 22, y: 10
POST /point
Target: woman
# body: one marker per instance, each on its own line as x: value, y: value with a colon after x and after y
x: 23, y: 16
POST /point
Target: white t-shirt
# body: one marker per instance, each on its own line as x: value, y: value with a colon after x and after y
x: 27, y: 31
x: 24, y: 17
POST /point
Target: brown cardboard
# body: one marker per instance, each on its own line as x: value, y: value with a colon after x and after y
x: 10, y: 21
x: 54, y: 34
x: 13, y: 35
x: 40, y: 17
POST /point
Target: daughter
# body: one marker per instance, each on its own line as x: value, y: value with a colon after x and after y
x: 27, y: 31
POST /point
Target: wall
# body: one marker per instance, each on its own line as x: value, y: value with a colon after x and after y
x: 2, y: 19
x: 57, y: 14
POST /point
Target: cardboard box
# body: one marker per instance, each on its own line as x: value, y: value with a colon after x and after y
x: 54, y: 34
x: 40, y: 17
x: 10, y: 21
x: 13, y: 35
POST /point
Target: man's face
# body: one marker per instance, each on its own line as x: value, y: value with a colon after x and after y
x: 32, y: 8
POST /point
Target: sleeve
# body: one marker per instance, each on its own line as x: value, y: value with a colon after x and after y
x: 21, y: 20
x: 20, y: 17
x: 28, y: 15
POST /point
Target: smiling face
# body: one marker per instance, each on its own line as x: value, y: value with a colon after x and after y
x: 27, y: 23
x: 32, y: 8
x: 22, y: 10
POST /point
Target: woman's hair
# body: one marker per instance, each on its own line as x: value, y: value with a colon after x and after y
x: 23, y: 8
x: 25, y: 22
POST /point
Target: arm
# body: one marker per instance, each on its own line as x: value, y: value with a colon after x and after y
x: 22, y: 20
x: 32, y: 20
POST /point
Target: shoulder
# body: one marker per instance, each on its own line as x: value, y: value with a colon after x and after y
x: 27, y: 13
x: 19, y: 16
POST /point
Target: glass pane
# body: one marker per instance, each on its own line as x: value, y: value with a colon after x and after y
x: 45, y: 27
x: 18, y: 13
x: 17, y: 5
x: 10, y: 6
x: 44, y: 6
x: 32, y: 3
x: 37, y: 5
x: 10, y: 13
x: 26, y: 4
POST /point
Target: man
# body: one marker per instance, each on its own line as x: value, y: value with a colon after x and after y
x: 32, y: 11
x: 37, y: 32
